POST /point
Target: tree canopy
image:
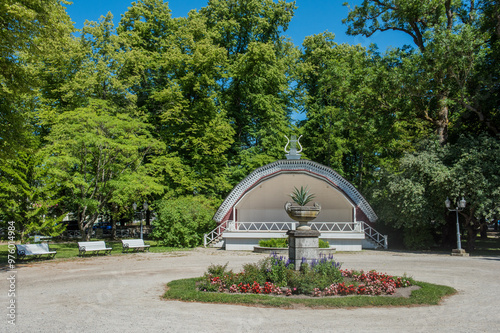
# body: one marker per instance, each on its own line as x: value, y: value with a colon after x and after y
x: 161, y: 109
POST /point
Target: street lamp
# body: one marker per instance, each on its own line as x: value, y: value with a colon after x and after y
x: 145, y: 206
x: 460, y: 206
x: 134, y: 205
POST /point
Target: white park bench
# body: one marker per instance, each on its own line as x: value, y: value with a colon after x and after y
x: 93, y: 247
x: 36, y: 251
x: 134, y: 244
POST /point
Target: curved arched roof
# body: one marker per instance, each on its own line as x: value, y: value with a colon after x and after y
x: 294, y: 166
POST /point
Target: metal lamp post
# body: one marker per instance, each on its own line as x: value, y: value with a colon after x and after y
x: 145, y: 206
x: 460, y: 205
x: 134, y: 205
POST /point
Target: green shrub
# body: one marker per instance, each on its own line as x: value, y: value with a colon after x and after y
x: 327, y: 270
x: 303, y: 281
x: 319, y: 274
x: 274, y: 242
x: 183, y: 221
x: 218, y: 270
x: 323, y: 244
x: 252, y: 273
x: 278, y: 270
x: 418, y: 238
x: 283, y: 243
x: 275, y: 269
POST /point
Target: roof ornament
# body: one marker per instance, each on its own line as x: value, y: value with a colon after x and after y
x: 293, y: 154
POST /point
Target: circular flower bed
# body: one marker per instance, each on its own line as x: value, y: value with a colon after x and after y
x: 323, y: 277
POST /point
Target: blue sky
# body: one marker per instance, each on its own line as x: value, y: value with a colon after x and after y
x: 311, y: 17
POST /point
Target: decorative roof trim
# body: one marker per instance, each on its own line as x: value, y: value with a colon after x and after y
x: 310, y: 167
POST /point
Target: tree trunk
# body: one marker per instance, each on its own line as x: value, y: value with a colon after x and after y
x: 471, y: 237
x: 449, y: 231
x: 87, y: 228
x: 442, y: 122
x: 483, y: 228
x: 81, y: 225
x: 113, y: 226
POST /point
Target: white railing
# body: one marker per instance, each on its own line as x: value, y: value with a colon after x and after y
x: 215, y: 235
x: 285, y: 226
x: 260, y: 226
x: 375, y: 236
x: 337, y: 226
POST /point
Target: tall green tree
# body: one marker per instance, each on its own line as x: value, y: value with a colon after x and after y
x: 90, y: 67
x: 413, y: 198
x: 28, y: 196
x: 351, y: 109
x: 256, y: 86
x: 98, y: 145
x: 175, y: 68
x: 479, y: 95
x: 99, y: 155
x: 449, y: 45
x: 29, y: 29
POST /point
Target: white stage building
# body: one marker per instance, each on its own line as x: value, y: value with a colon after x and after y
x: 254, y: 210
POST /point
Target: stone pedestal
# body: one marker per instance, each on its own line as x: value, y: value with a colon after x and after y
x: 303, y: 245
x: 459, y: 253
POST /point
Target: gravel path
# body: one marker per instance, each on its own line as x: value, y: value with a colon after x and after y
x: 123, y: 294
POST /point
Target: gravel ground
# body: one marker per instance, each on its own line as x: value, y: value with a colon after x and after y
x: 123, y: 294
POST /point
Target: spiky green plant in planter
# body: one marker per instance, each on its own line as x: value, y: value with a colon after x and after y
x: 302, y: 213
x: 301, y: 197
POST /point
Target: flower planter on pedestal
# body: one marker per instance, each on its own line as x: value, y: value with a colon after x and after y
x: 303, y: 243
x: 302, y: 214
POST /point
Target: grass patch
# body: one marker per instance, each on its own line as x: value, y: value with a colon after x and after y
x: 70, y: 249
x: 186, y: 290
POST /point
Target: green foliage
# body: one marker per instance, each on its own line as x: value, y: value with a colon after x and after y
x: 340, y: 86
x: 183, y: 221
x: 185, y: 109
x: 301, y: 197
x: 253, y: 273
x: 276, y: 270
x: 29, y: 196
x: 414, y: 198
x: 279, y: 271
x: 283, y: 243
x: 274, y: 242
x: 443, y: 80
x: 30, y: 29
x: 322, y: 244
x: 319, y: 274
x: 418, y: 238
x: 257, y: 92
x: 302, y: 282
x: 211, y: 95
x: 217, y: 270
x: 95, y: 153
x: 328, y: 269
